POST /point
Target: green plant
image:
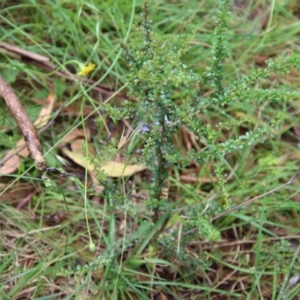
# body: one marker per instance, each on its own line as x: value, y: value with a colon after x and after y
x: 156, y: 74
x: 141, y: 250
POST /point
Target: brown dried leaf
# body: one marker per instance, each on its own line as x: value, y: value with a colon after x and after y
x: 18, y: 191
x: 46, y: 111
x: 118, y: 169
x: 77, y: 146
x: 260, y: 60
x: 75, y: 134
x: 12, y: 164
x: 111, y: 168
x: 297, y: 131
x: 24, y: 152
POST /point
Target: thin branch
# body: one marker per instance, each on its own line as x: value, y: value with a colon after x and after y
x: 22, y: 52
x: 44, y: 63
x: 255, y: 198
x: 24, y: 123
x: 50, y: 123
x: 247, y: 202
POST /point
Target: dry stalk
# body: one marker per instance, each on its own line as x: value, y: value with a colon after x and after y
x: 234, y: 208
x: 24, y: 123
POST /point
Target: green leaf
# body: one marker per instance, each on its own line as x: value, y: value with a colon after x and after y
x: 10, y: 74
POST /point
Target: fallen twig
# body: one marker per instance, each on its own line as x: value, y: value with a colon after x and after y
x: 19, y: 52
x: 44, y: 63
x: 247, y: 202
x: 50, y: 123
x: 24, y: 123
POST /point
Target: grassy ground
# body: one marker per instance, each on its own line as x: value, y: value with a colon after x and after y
x: 44, y: 249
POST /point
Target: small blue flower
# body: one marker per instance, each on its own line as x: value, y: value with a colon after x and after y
x: 143, y: 128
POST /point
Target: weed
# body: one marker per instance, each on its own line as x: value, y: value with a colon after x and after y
x: 206, y: 122
x: 156, y: 74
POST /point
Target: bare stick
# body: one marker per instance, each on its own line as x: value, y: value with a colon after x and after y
x: 247, y: 202
x: 24, y: 123
x: 44, y: 62
x: 22, y: 52
x: 2, y: 162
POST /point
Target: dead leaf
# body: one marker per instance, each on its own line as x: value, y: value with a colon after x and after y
x: 25, y: 200
x: 20, y: 144
x: 260, y: 60
x: 46, y: 111
x: 77, y: 146
x: 18, y: 191
x: 111, y: 168
x: 12, y: 164
x: 297, y: 131
x: 74, y: 135
x: 118, y: 169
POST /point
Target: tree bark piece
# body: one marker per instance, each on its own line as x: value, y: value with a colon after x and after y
x: 24, y: 123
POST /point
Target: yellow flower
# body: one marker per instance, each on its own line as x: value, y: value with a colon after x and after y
x: 85, y: 70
